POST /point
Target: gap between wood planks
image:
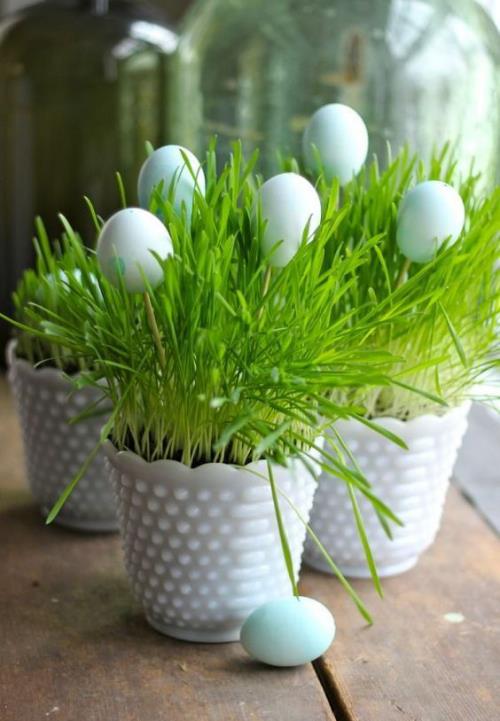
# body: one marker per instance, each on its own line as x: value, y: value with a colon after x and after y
x: 336, y: 691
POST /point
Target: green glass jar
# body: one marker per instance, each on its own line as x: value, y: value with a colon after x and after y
x: 419, y: 71
x: 83, y: 86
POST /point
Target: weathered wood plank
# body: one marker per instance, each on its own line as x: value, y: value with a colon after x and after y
x: 74, y: 646
x: 433, y: 653
x: 477, y: 470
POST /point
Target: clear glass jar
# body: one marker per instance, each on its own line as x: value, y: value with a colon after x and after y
x: 83, y: 86
x: 419, y: 71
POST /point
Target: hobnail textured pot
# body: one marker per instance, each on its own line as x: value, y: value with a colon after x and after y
x: 412, y: 483
x: 55, y: 451
x: 201, y: 544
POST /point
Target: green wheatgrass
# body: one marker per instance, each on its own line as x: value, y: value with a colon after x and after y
x: 450, y: 338
x: 252, y: 365
x: 246, y: 372
x: 55, y: 287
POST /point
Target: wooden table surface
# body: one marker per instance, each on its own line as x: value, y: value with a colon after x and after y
x: 75, y: 647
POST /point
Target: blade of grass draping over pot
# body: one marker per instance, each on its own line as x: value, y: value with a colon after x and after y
x: 244, y: 374
x: 336, y: 570
x: 287, y: 555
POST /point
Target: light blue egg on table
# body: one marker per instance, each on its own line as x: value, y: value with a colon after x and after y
x: 338, y: 134
x: 288, y: 204
x: 126, y: 245
x: 167, y: 165
x: 429, y: 214
x: 288, y: 631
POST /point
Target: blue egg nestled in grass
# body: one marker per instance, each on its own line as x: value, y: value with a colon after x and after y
x: 126, y: 249
x: 167, y: 165
x: 289, y: 205
x: 336, y: 138
x: 288, y: 631
x: 431, y: 213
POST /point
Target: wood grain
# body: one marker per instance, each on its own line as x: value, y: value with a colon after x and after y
x: 415, y: 663
x: 74, y: 646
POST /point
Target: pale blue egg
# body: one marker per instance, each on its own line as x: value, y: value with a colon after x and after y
x: 288, y: 631
x: 429, y: 214
x: 167, y: 165
x: 289, y: 204
x: 126, y: 245
x: 338, y: 134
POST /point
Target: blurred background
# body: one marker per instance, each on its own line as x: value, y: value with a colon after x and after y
x: 85, y: 83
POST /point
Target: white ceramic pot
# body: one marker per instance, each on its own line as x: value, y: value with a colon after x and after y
x: 55, y: 451
x: 201, y: 544
x: 412, y: 483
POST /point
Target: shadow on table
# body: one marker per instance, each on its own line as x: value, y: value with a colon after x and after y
x: 73, y: 587
x: 20, y: 515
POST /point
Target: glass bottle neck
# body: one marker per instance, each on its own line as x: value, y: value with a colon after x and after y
x: 97, y: 7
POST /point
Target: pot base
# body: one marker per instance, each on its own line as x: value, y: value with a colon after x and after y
x: 384, y: 571
x: 202, y: 547
x: 412, y: 483
x: 195, y: 635
x: 76, y: 524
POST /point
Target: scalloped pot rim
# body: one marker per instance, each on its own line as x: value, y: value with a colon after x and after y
x: 130, y: 463
x: 54, y: 376
x: 49, y: 375
x: 424, y: 424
